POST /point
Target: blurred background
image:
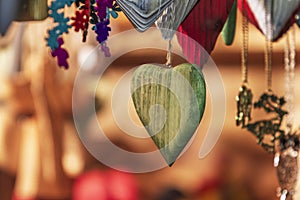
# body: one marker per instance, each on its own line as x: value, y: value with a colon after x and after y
x: 41, y: 156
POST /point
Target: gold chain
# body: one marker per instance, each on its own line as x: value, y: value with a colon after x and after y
x: 268, y: 64
x: 269, y: 46
x: 245, y: 47
x: 244, y: 97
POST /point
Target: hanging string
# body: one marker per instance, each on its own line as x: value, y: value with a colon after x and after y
x: 268, y: 131
x: 244, y: 97
x: 169, y: 54
x: 245, y: 47
x: 268, y: 65
x: 289, y: 62
x: 269, y: 46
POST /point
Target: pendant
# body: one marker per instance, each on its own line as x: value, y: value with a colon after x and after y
x: 268, y: 131
x: 244, y: 106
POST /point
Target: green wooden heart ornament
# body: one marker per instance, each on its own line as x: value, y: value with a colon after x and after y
x: 170, y: 103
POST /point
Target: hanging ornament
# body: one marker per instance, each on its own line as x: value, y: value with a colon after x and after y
x: 228, y: 31
x: 173, y: 16
x: 95, y: 12
x: 61, y: 54
x: 244, y: 98
x: 143, y: 13
x: 170, y: 103
x: 286, y: 158
x: 283, y: 12
x: 80, y: 21
x: 54, y: 40
x: 104, y: 10
x: 203, y: 25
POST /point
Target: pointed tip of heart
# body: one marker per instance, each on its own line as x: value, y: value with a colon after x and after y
x: 171, y: 164
x: 169, y: 157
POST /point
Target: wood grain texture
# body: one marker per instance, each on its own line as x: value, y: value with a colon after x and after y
x: 170, y: 103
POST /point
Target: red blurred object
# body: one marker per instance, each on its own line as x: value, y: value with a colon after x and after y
x: 248, y: 12
x: 105, y: 185
x: 203, y: 25
x: 90, y: 185
x: 211, y: 184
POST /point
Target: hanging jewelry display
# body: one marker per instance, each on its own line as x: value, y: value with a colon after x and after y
x: 268, y: 131
x: 244, y: 98
x: 284, y: 144
x: 286, y: 158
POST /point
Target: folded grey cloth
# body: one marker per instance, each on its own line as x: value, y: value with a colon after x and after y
x: 173, y: 16
x: 143, y: 13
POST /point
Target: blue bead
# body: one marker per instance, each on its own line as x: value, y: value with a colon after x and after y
x: 114, y: 14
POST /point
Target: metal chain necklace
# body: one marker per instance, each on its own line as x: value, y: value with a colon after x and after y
x: 244, y: 98
x: 268, y: 130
